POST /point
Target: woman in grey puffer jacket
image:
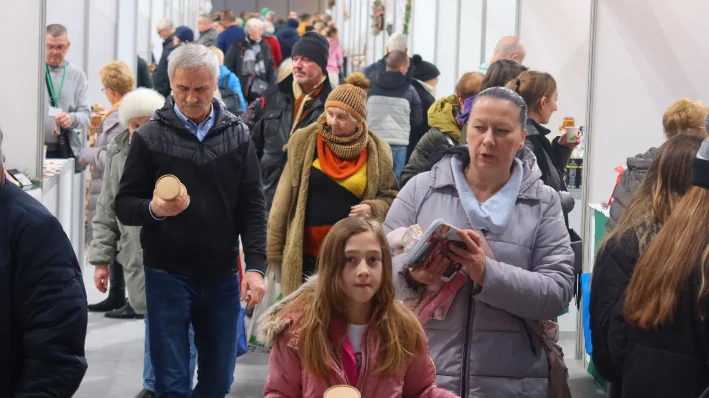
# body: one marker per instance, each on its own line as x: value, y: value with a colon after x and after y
x: 117, y: 80
x: 481, y: 347
x: 684, y: 117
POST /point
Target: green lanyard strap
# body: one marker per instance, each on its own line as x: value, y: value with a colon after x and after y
x: 55, y: 96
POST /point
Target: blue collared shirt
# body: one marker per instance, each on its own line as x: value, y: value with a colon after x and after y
x: 199, y: 130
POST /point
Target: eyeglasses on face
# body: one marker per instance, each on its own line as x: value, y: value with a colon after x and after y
x: 60, y: 48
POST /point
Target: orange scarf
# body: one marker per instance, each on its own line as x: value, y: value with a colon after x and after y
x: 298, y: 115
x: 335, y: 167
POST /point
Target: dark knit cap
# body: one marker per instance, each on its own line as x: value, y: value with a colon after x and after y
x: 700, y: 168
x: 314, y: 46
x: 424, y: 70
x: 185, y: 34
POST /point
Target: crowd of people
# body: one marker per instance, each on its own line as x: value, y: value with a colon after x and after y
x: 289, y: 168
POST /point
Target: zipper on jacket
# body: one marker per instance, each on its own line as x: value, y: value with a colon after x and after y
x: 468, y: 330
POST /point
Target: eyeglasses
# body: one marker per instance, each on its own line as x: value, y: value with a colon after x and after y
x: 60, y: 48
x: 103, y: 89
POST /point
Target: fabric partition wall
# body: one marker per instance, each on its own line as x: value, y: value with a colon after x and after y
x: 126, y: 37
x: 143, y: 30
x: 557, y: 40
x: 647, y: 55
x: 22, y: 108
x: 156, y: 14
x: 102, y: 43
x: 72, y: 14
x: 501, y: 20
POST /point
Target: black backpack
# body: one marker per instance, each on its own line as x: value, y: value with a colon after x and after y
x: 230, y: 98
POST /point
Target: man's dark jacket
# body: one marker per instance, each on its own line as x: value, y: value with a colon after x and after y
x: 272, y: 132
x: 161, y: 80
x: 235, y: 58
x: 43, y: 315
x: 223, y: 180
x: 374, y: 70
x: 287, y: 36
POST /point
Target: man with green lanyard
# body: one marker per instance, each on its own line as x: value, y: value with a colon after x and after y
x: 66, y: 96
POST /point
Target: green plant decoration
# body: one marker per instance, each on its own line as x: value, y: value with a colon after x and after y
x: 407, y: 16
x: 377, y: 17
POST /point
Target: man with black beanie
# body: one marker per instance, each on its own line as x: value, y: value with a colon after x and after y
x: 294, y: 103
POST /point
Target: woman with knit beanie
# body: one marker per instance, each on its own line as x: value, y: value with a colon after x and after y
x: 117, y: 243
x: 336, y: 168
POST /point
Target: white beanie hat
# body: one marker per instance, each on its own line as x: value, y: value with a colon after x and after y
x: 138, y: 103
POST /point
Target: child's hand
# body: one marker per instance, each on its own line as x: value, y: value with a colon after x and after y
x: 395, y: 239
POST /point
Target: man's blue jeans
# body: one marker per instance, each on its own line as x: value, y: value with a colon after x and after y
x: 149, y: 372
x: 398, y: 153
x: 212, y: 306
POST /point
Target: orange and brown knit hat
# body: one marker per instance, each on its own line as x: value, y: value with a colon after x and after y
x: 351, y: 96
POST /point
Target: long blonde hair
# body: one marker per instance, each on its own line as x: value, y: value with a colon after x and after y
x: 668, y: 260
x: 398, y: 328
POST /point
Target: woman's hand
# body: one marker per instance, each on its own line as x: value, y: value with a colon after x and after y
x: 363, y: 210
x: 564, y: 140
x: 472, y: 257
x: 431, y: 274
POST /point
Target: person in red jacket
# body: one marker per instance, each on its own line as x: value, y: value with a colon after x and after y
x: 270, y: 36
x: 344, y: 326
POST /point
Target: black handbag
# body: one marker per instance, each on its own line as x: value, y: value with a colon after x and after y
x: 63, y: 150
x: 257, y: 87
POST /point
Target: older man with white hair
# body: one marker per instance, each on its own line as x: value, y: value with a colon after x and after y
x: 396, y: 42
x: 166, y: 31
x: 191, y: 243
x: 508, y: 47
x: 43, y: 315
x: 250, y: 59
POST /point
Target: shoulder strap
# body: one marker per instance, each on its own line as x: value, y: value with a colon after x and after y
x: 225, y: 82
x: 51, y: 98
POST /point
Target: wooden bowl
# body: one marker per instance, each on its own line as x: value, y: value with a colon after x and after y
x: 342, y: 392
x: 169, y: 187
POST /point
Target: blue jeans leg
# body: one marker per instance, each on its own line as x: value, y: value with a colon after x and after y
x: 215, y: 319
x: 170, y: 300
x: 398, y: 153
x: 149, y: 372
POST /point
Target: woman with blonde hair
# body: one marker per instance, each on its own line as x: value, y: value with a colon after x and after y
x: 684, y: 117
x: 117, y: 80
x: 642, y: 343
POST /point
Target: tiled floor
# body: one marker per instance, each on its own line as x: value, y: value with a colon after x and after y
x: 115, y: 354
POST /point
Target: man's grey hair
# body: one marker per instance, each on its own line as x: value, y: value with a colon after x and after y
x: 57, y: 30
x: 206, y: 16
x: 252, y: 24
x: 398, y: 42
x: 192, y: 56
x: 2, y: 155
x: 509, y: 46
x: 165, y: 23
x: 268, y: 28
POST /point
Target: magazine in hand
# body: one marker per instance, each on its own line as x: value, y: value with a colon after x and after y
x: 437, y: 240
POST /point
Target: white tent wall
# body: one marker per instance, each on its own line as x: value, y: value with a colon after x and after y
x: 21, y: 107
x: 102, y: 43
x: 557, y: 38
x: 126, y: 38
x: 647, y: 55
x: 500, y: 20
x: 72, y: 14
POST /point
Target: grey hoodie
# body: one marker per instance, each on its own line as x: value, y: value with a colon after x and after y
x: 629, y: 182
x: 483, y: 348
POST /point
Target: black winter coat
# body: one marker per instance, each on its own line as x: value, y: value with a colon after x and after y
x: 373, y: 71
x: 629, y: 181
x: 668, y: 362
x: 273, y: 130
x: 223, y: 180
x: 234, y: 59
x: 287, y: 36
x: 433, y: 141
x: 43, y: 314
x: 418, y: 131
x: 161, y: 80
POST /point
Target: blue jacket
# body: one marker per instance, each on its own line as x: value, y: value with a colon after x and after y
x: 234, y: 84
x: 43, y: 314
x: 229, y: 37
x: 287, y: 36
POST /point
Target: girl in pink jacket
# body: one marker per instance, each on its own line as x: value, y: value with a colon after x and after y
x: 336, y: 59
x: 344, y: 327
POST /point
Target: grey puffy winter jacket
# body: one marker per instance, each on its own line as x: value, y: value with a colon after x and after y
x: 482, y: 348
x: 629, y: 181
